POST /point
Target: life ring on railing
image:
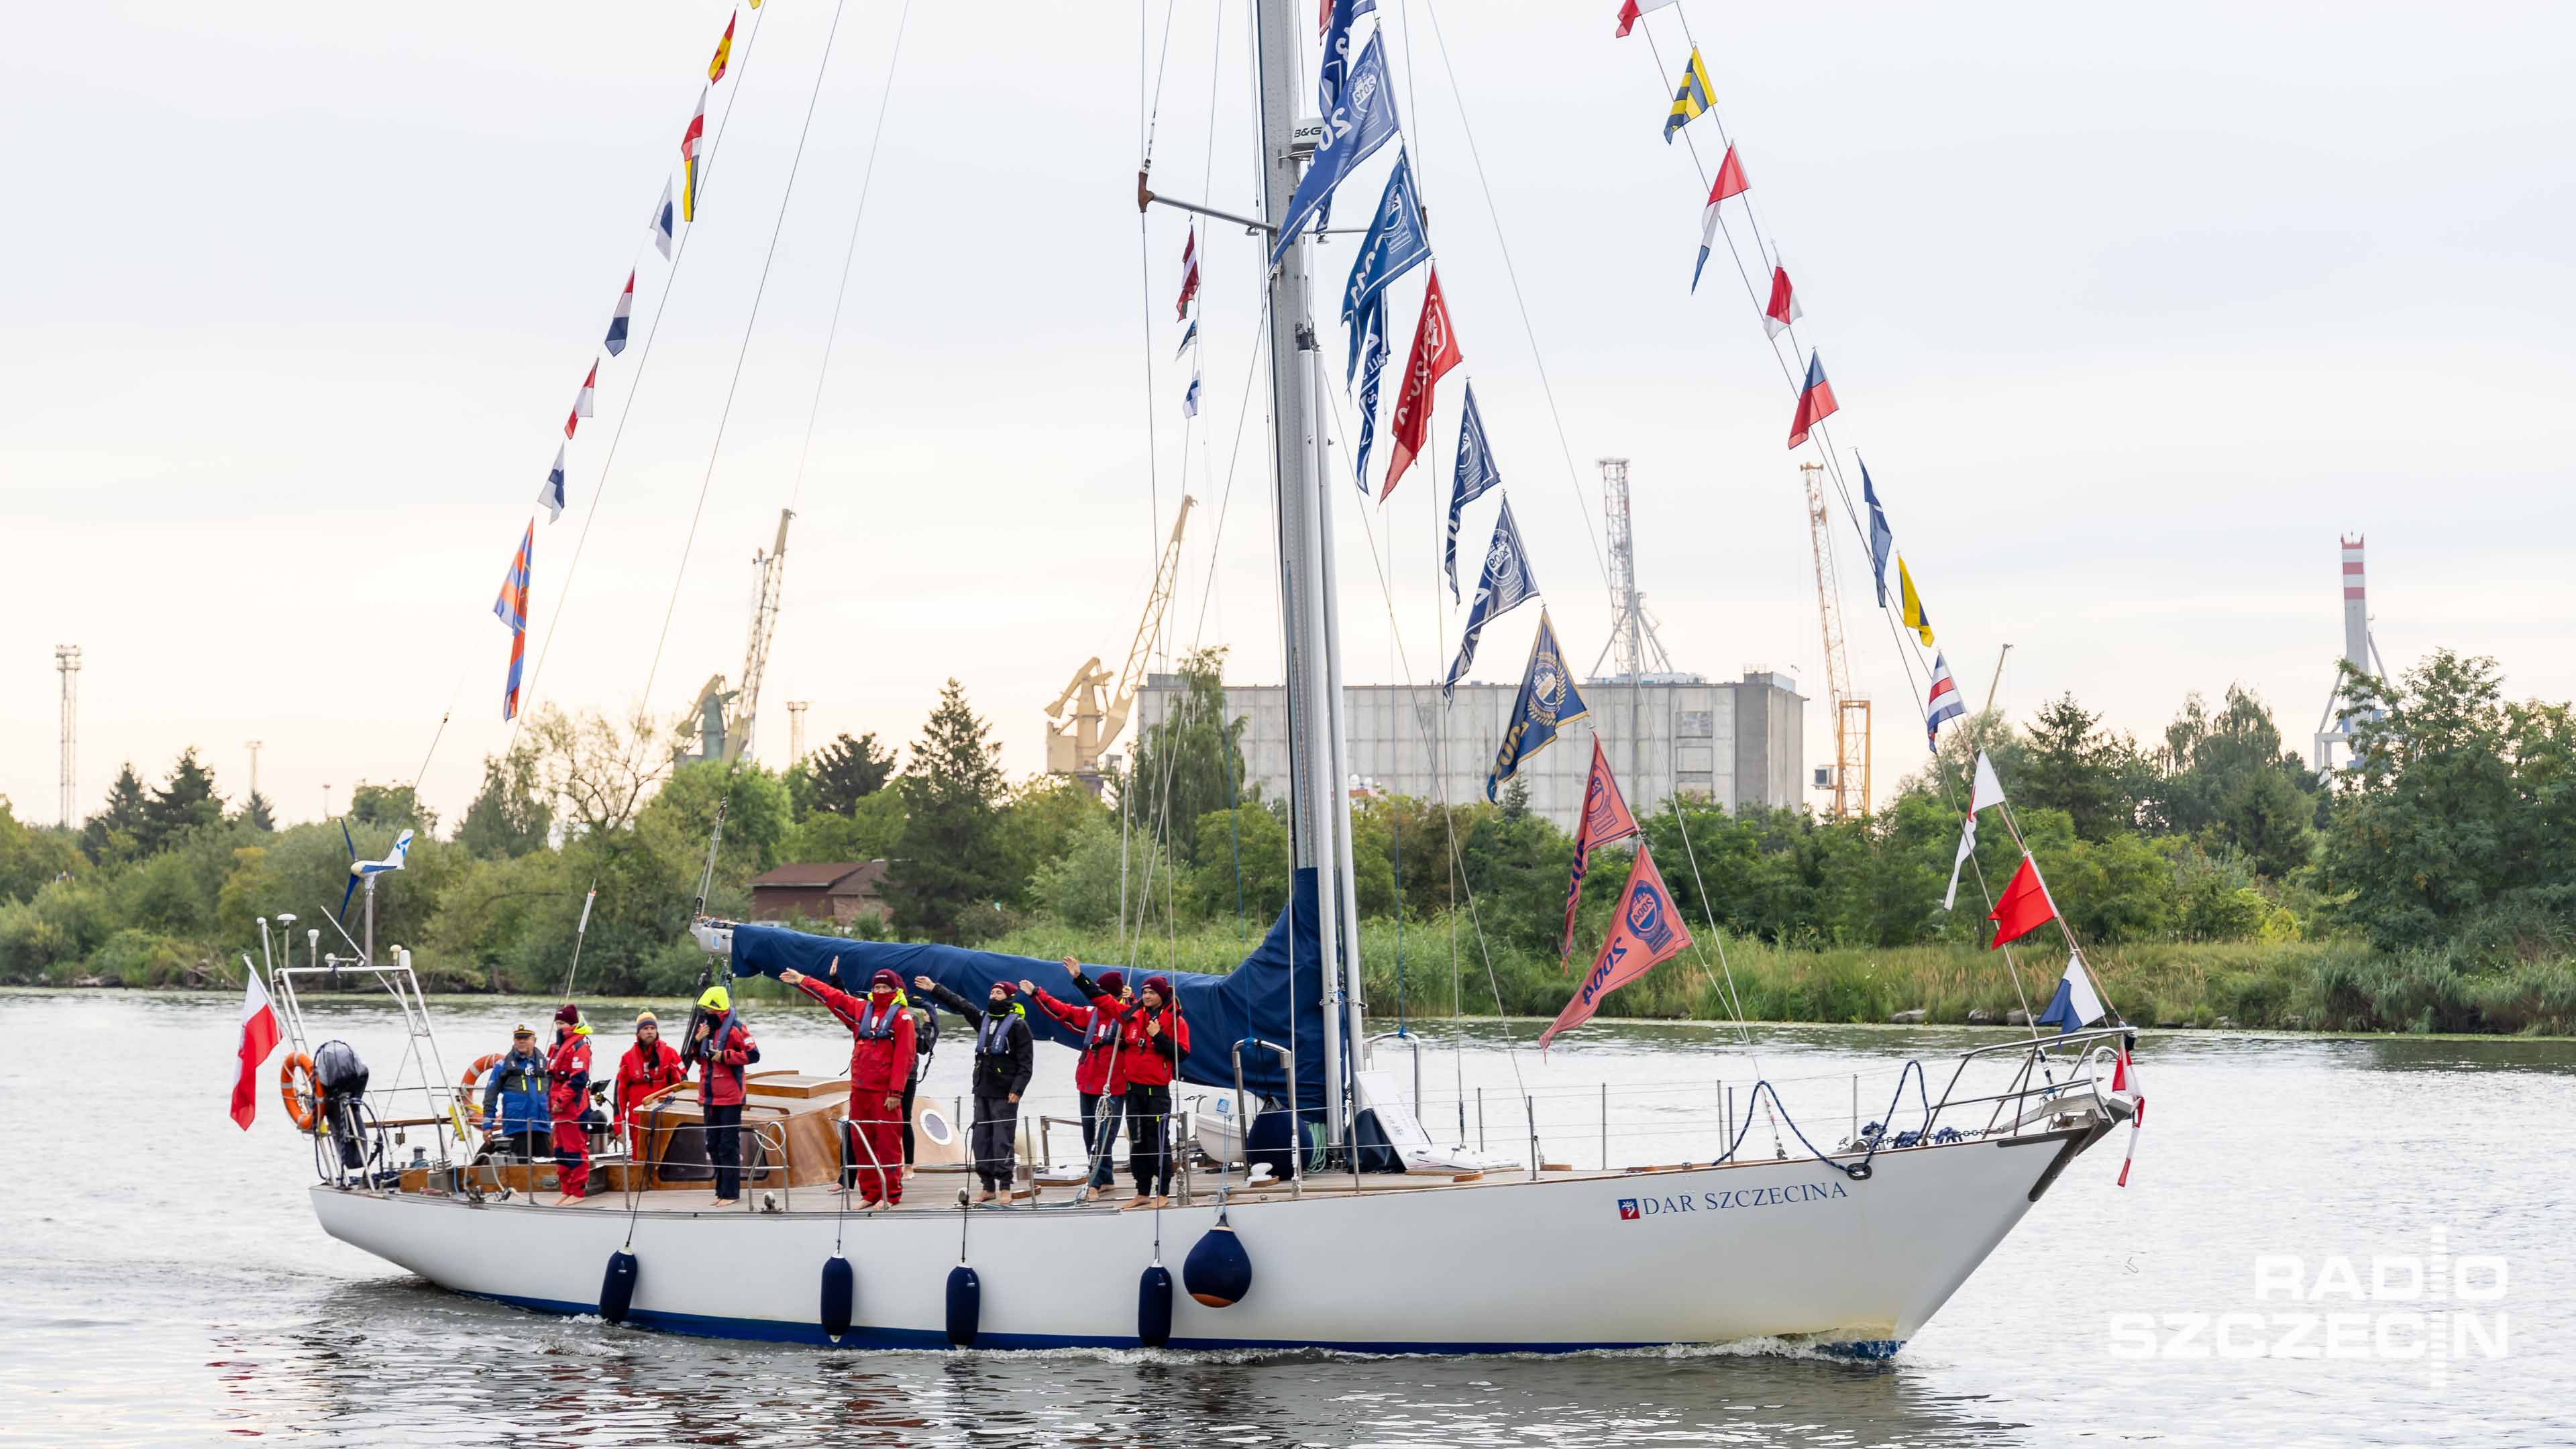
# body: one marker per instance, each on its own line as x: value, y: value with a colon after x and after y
x: 299, y: 1105
x: 474, y: 1074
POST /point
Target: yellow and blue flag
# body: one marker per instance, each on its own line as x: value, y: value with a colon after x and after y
x: 1547, y: 702
x: 1691, y: 100
x: 1910, y: 604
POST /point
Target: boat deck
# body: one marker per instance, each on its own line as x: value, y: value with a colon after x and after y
x: 938, y: 1190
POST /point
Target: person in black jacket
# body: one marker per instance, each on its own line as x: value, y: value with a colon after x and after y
x: 1003, y: 1061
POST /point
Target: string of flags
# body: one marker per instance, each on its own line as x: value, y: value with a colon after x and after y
x: 678, y: 203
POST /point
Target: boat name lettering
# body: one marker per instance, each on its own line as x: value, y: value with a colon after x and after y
x: 1633, y: 1208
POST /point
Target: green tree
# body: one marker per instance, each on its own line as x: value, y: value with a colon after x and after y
x: 1039, y: 822
x: 841, y: 774
x: 871, y: 831
x: 2072, y: 764
x: 31, y: 857
x: 393, y: 807
x: 2457, y: 806
x: 508, y: 817
x: 1243, y: 872
x: 256, y: 812
x: 185, y: 802
x: 117, y: 833
x: 952, y: 862
x: 1189, y: 762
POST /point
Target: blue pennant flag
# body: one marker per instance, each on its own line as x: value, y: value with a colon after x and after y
x: 1882, y: 539
x: 551, y: 496
x: 1546, y: 703
x: 1396, y: 243
x: 1476, y: 473
x: 1338, y: 15
x: 1189, y: 335
x: 1506, y: 583
x: 1371, y: 325
x: 1361, y: 121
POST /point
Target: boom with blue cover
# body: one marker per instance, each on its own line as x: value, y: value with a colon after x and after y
x: 1275, y: 995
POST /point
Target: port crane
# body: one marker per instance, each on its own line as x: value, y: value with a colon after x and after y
x: 728, y: 718
x: 1091, y: 712
x: 1850, y: 780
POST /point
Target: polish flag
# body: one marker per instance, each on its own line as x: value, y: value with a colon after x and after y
x: 259, y: 1036
x: 1783, y: 309
x: 1815, y: 401
x: 1631, y: 10
x: 581, y: 400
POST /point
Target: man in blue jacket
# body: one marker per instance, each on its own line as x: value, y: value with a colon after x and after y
x: 514, y: 1101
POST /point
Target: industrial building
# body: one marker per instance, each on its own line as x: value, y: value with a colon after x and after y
x: 1728, y: 743
x: 1666, y: 732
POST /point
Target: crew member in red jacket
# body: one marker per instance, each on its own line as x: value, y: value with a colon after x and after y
x: 1097, y: 1076
x: 1152, y: 1039
x: 648, y: 1066
x: 880, y: 1060
x: 723, y: 1048
x: 568, y: 1101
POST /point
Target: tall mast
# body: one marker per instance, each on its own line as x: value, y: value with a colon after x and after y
x: 1319, y: 805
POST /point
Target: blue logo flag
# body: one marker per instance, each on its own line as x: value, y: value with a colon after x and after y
x: 1882, y: 539
x: 1476, y: 473
x: 1547, y: 701
x: 1371, y: 326
x: 1506, y: 584
x: 1360, y: 121
x: 1396, y: 243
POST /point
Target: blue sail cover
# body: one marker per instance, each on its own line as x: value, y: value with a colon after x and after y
x: 1252, y: 1001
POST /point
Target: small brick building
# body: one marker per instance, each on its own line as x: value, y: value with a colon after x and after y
x: 839, y: 891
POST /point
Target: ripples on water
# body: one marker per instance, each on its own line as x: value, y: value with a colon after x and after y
x: 179, y: 1292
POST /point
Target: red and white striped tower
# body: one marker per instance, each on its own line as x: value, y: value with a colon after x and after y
x: 2335, y: 727
x: 2356, y: 609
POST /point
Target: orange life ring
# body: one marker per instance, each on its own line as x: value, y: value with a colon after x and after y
x: 473, y: 1074
x: 298, y: 1105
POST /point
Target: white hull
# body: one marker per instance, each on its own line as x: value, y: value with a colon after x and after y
x: 1706, y: 1255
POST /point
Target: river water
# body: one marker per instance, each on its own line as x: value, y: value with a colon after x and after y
x: 162, y: 1280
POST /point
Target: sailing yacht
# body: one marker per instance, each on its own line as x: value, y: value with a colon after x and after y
x: 1849, y: 1244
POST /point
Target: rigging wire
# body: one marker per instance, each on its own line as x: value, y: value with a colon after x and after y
x: 1906, y: 659
x: 635, y: 380
x: 750, y: 326
x: 849, y: 254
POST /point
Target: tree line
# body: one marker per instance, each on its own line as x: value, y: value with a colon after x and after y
x: 2443, y: 852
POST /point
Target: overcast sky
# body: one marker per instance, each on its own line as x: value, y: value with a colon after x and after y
x: 2131, y: 311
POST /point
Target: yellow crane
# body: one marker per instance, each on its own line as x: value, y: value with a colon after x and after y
x: 1083, y: 722
x: 1850, y: 781
x: 725, y: 718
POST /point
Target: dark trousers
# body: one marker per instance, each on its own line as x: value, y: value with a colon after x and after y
x: 724, y: 1150
x: 908, y: 1089
x: 997, y: 1130
x: 1100, y: 1133
x: 1149, y: 1140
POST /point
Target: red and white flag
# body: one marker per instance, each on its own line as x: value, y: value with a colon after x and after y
x: 1435, y: 351
x: 259, y: 1037
x: 1189, y: 273
x: 2124, y: 1078
x: 581, y: 399
x: 1630, y: 10
x: 1783, y: 309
